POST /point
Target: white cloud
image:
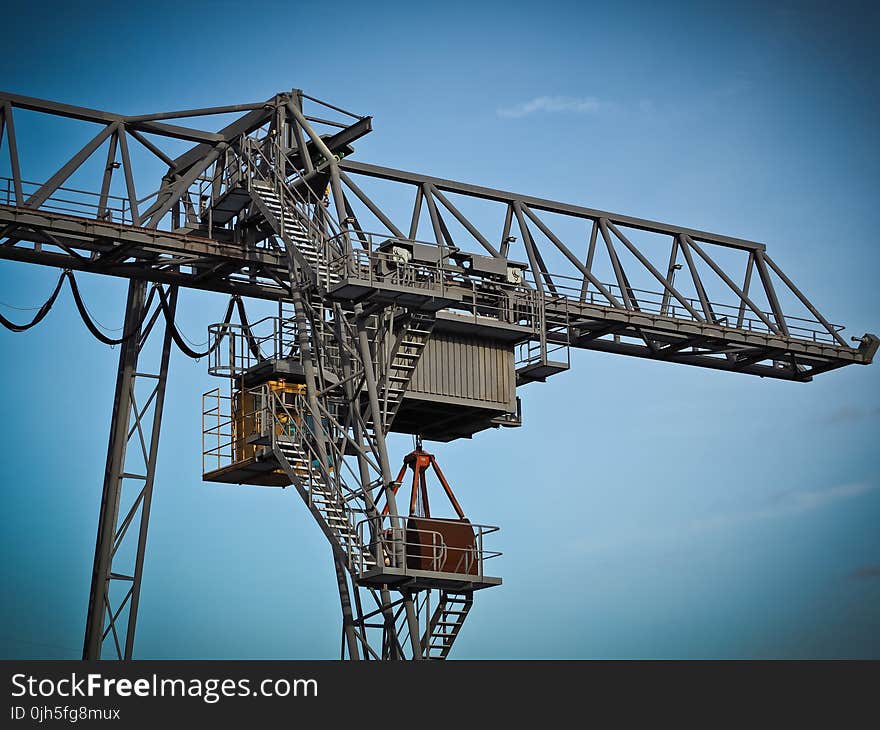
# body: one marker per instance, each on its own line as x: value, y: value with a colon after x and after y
x: 798, y: 501
x: 550, y: 104
x: 786, y: 503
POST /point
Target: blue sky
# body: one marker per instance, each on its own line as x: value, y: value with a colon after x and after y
x: 647, y: 509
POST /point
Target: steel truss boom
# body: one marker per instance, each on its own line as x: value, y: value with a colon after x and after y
x: 664, y: 323
x: 748, y: 332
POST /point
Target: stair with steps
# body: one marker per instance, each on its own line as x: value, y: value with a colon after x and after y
x: 445, y: 624
x: 407, y: 351
x: 327, y: 506
x: 288, y: 225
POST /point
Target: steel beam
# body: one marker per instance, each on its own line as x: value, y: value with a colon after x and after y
x: 550, y: 206
x: 138, y: 424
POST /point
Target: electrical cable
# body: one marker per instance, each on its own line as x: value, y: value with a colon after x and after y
x: 253, y: 345
x: 146, y: 322
x: 179, y: 339
x: 43, y: 311
x: 18, y: 309
x: 92, y: 327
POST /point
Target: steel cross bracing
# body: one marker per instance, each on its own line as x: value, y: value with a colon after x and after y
x: 271, y: 207
x: 675, y: 317
x: 128, y: 484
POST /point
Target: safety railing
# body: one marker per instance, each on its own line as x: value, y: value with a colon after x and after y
x: 378, y: 268
x: 426, y: 544
x: 479, y: 300
x: 475, y: 297
x: 286, y: 420
x: 243, y: 347
x: 219, y: 433
x: 540, y: 351
x: 70, y: 201
x: 568, y: 292
x: 551, y: 343
x: 354, y: 254
x: 258, y: 164
x: 271, y: 338
x: 234, y: 426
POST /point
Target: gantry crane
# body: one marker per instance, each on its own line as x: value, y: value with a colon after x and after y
x: 421, y: 320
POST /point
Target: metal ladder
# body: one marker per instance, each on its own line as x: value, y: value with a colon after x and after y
x: 288, y: 225
x: 445, y: 625
x: 407, y: 352
x: 329, y: 509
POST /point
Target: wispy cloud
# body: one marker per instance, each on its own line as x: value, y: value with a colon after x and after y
x: 555, y: 104
x: 785, y: 503
x: 726, y: 90
x: 867, y: 572
x: 799, y: 500
x: 782, y: 504
x: 851, y: 414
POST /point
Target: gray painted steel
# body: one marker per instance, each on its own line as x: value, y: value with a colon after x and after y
x: 471, y: 370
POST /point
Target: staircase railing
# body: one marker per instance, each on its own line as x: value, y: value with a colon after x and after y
x: 292, y: 202
x: 285, y: 420
x: 445, y: 632
x: 327, y: 469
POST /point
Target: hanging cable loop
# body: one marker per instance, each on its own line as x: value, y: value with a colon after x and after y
x: 146, y: 322
x: 178, y: 338
x: 93, y: 328
x: 41, y: 313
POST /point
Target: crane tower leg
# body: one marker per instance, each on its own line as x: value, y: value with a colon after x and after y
x: 128, y: 485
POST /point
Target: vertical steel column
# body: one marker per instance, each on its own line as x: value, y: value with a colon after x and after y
x: 306, y: 345
x: 127, y: 424
x: 128, y: 359
x: 348, y: 630
x: 412, y: 622
x: 356, y: 419
x: 390, y: 645
x: 348, y: 620
x: 378, y: 420
x: 147, y: 494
